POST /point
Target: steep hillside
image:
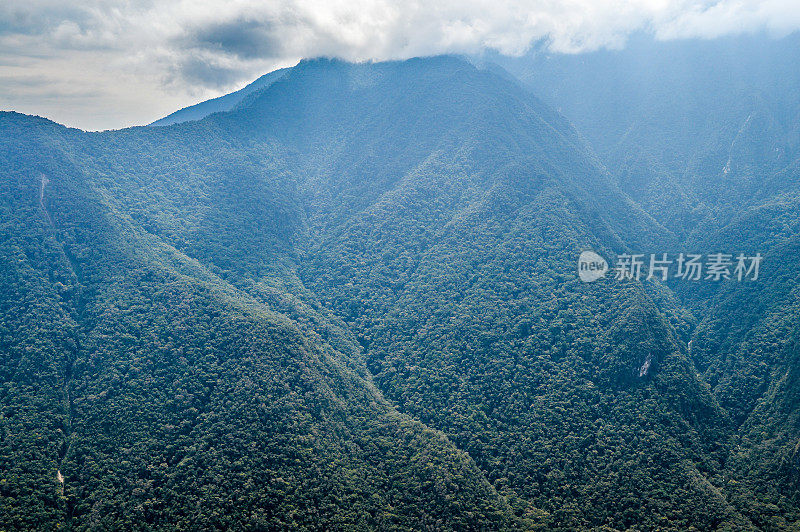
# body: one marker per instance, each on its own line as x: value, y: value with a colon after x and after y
x: 692, y: 129
x: 351, y: 301
x: 704, y: 135
x: 142, y: 388
x: 455, y: 265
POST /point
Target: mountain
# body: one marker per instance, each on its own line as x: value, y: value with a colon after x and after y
x: 690, y: 128
x: 448, y: 243
x: 144, y: 387
x: 351, y: 302
x: 703, y: 134
x: 220, y: 104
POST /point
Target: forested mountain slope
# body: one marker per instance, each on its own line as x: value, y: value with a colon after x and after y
x: 455, y: 266
x: 704, y: 134
x: 352, y: 302
x: 164, y: 395
x: 693, y: 130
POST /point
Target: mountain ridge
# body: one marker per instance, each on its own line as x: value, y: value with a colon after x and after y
x: 220, y: 104
x: 406, y: 230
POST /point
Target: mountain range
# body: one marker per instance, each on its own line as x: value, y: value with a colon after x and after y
x: 347, y: 297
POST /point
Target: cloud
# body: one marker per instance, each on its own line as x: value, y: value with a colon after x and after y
x: 174, y: 51
x: 247, y: 38
x: 778, y: 17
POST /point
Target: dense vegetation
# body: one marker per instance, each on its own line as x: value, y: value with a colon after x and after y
x: 704, y: 135
x: 351, y: 303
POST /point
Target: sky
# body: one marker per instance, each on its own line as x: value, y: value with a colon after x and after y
x: 103, y: 64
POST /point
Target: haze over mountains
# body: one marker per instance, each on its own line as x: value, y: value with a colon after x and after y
x: 347, y: 297
x: 223, y: 103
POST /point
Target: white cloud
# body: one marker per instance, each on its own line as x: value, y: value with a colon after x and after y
x: 134, y: 61
x: 779, y: 17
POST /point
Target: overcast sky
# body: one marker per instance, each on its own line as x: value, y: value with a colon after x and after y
x: 103, y: 64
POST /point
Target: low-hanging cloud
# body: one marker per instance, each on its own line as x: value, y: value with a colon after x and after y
x: 152, y: 55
